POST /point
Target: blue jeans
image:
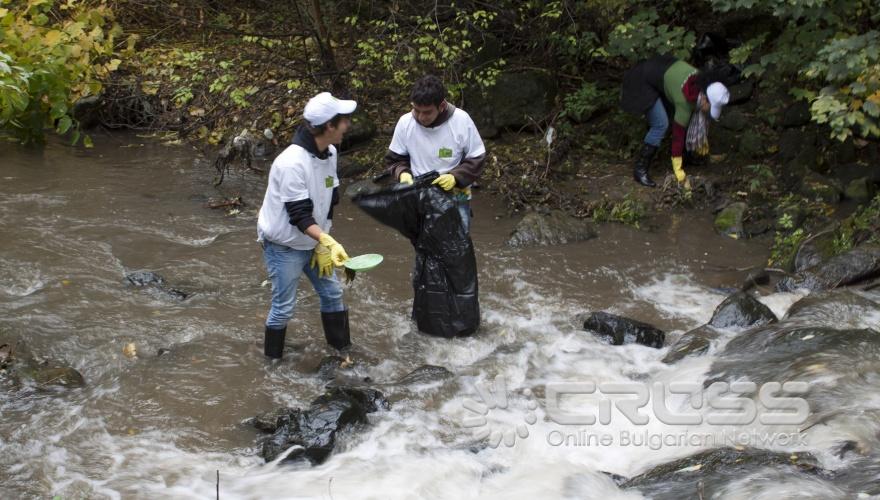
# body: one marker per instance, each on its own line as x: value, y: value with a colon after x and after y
x: 285, y: 266
x: 658, y: 120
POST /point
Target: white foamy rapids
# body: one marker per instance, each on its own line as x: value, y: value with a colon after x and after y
x: 677, y: 296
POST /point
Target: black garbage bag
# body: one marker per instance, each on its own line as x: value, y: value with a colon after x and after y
x: 445, y: 302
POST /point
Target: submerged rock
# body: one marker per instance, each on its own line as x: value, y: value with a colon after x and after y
x: 741, y: 310
x: 710, y: 471
x: 315, y: 429
x: 858, y: 264
x: 20, y: 367
x: 426, y: 374
x: 619, y: 330
x: 551, y: 229
x: 692, y: 343
x: 149, y: 279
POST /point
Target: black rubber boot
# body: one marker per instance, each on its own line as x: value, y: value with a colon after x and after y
x: 336, y: 329
x: 273, y: 342
x: 643, y: 162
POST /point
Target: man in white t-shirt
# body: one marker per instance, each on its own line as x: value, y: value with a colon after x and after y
x: 295, y: 219
x: 436, y: 136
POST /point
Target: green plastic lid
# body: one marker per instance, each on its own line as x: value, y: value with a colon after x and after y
x: 364, y: 262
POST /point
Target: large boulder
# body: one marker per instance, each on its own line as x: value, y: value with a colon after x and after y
x: 315, y: 429
x: 828, y: 307
x: 858, y: 264
x: 550, y: 229
x: 515, y: 101
x: 619, y: 330
x: 741, y: 310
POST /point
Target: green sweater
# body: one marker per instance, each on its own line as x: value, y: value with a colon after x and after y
x: 673, y: 81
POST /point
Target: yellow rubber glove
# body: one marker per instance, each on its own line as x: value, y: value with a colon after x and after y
x: 445, y: 181
x: 337, y: 253
x: 406, y: 178
x: 680, y: 176
x: 321, y: 259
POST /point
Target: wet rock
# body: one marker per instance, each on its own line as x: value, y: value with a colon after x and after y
x: 741, y: 310
x: 758, y: 277
x: 846, y: 173
x: 798, y: 148
x: 814, y: 186
x: 734, y: 119
x: 796, y: 115
x: 328, y: 367
x: 21, y: 368
x: 710, y: 471
x: 815, y: 249
x: 860, y: 190
x: 513, y: 102
x: 163, y: 351
x: 828, y: 307
x: 426, y: 374
x: 619, y: 330
x: 315, y: 430
x: 692, y: 343
x: 365, y: 186
x: 87, y: 110
x: 741, y: 92
x: 729, y: 221
x: 149, y: 279
x: 849, y: 268
x: 550, y: 229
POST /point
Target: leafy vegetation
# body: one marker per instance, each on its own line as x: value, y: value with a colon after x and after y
x: 51, y: 54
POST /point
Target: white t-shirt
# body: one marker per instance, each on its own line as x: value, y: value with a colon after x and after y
x: 440, y: 148
x: 297, y: 175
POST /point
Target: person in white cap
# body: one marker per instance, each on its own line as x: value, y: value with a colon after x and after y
x: 663, y: 86
x: 295, y: 219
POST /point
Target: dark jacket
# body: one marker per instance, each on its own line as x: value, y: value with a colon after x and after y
x: 643, y: 85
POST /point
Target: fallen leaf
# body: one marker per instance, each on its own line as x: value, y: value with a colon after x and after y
x: 130, y: 350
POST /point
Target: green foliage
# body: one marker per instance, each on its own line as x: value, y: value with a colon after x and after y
x: 761, y: 179
x: 850, y: 103
x: 47, y: 63
x: 411, y: 47
x: 629, y: 211
x: 785, y: 244
x: 642, y: 36
x: 862, y: 226
x: 586, y: 101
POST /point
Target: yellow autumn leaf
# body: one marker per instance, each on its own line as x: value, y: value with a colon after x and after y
x: 113, y: 65
x: 875, y: 97
x: 52, y: 38
x: 3, y: 12
x: 856, y: 104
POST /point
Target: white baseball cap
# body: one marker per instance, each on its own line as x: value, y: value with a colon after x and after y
x: 321, y: 108
x: 718, y: 96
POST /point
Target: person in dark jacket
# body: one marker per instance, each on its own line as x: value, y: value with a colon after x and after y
x: 664, y: 86
x: 295, y: 220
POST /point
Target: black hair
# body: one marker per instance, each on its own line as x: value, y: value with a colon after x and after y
x: 725, y: 73
x: 428, y: 91
x: 320, y: 129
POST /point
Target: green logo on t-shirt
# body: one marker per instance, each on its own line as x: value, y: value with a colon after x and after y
x: 328, y: 182
x: 445, y: 153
